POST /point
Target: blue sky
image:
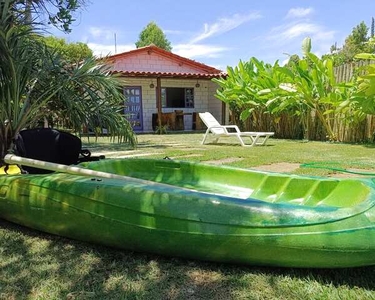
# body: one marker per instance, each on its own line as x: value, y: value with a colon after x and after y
x: 220, y: 33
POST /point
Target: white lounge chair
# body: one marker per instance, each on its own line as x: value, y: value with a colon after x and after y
x: 218, y: 131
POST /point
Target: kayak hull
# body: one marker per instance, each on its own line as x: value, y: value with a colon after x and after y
x: 207, y: 223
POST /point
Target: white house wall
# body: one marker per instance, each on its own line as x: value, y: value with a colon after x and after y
x: 204, y: 99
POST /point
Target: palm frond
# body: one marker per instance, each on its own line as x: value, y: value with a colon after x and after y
x: 36, y: 82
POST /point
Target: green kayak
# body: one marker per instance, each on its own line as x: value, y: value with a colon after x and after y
x: 204, y: 212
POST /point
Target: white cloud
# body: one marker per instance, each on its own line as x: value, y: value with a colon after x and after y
x: 326, y: 35
x: 101, y: 50
x: 198, y: 50
x: 299, y: 12
x: 101, y: 33
x: 186, y: 50
x: 287, y: 38
x: 220, y: 67
x: 194, y: 49
x: 224, y: 25
x: 285, y: 61
x: 300, y: 30
x: 170, y: 31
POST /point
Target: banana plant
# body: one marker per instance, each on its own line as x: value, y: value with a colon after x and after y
x: 305, y: 88
x: 365, y: 96
x: 315, y: 88
x: 247, y: 88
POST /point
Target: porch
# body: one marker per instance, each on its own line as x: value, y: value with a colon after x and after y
x: 178, y: 120
x: 181, y: 99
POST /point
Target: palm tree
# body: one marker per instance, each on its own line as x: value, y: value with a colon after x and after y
x: 32, y: 78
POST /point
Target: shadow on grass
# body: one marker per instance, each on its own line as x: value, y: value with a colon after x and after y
x: 38, y: 265
x: 103, y: 147
x: 237, y: 145
x: 371, y: 146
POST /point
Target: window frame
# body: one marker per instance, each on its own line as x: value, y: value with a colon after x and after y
x: 189, y: 97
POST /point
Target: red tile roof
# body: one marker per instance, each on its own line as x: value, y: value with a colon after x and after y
x: 206, y: 71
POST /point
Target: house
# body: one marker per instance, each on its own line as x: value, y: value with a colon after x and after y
x: 153, y: 76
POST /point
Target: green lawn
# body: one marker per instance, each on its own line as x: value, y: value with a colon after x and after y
x: 35, y: 265
x: 188, y: 147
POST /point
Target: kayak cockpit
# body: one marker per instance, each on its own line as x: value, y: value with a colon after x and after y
x: 242, y: 183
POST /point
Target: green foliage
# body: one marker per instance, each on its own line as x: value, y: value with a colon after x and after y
x: 36, y: 83
x: 74, y: 52
x: 59, y: 13
x: 163, y: 129
x: 358, y: 36
x: 315, y: 87
x: 306, y: 46
x: 305, y: 88
x: 152, y: 34
x: 355, y: 43
x: 365, y: 95
x: 293, y: 59
x: 245, y: 87
x: 63, y: 17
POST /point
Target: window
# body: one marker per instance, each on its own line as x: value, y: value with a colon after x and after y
x: 177, y: 97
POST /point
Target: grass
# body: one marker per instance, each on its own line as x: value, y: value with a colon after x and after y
x: 187, y: 147
x: 35, y: 265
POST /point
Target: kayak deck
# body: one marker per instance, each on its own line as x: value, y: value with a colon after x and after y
x: 241, y: 183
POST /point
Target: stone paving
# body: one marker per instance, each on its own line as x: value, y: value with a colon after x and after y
x: 278, y: 167
x: 223, y: 161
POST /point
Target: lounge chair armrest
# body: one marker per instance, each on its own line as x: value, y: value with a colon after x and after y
x: 218, y: 127
x: 232, y: 126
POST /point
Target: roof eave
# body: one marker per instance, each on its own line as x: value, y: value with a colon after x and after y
x: 169, y: 75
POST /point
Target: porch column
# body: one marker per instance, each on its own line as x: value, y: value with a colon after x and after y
x: 223, y: 113
x: 158, y: 100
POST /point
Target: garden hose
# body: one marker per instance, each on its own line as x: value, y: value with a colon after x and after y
x: 322, y: 165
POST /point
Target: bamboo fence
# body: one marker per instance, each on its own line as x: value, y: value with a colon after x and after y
x: 344, y: 73
x: 290, y: 126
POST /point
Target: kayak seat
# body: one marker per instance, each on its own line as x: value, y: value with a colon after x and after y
x: 50, y: 145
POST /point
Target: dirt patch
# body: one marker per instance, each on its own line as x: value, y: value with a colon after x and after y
x: 278, y: 167
x: 349, y: 175
x: 223, y: 161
